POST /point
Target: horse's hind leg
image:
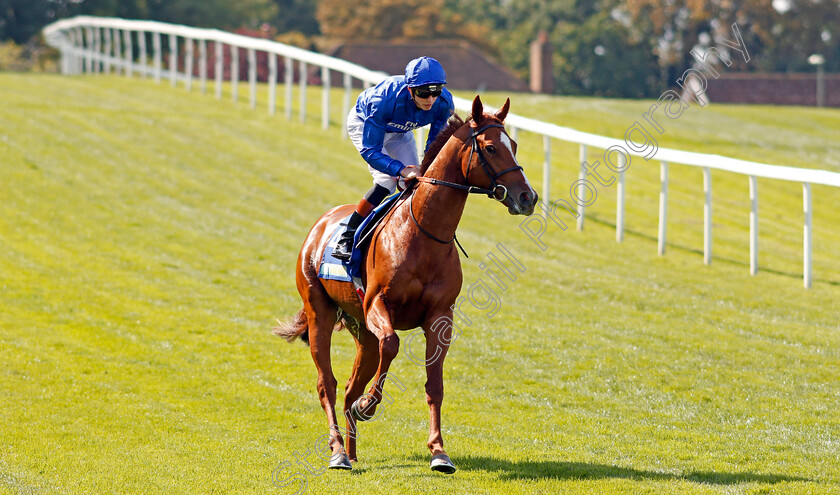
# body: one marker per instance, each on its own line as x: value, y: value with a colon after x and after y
x: 364, y: 367
x: 321, y: 312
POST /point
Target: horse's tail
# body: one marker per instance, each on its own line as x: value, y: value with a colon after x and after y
x: 294, y: 327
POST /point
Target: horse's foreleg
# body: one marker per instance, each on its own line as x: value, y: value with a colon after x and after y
x: 438, y: 338
x: 378, y: 320
x: 364, y: 368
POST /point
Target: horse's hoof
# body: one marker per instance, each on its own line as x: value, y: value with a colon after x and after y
x: 442, y: 464
x: 339, y: 460
x: 356, y: 410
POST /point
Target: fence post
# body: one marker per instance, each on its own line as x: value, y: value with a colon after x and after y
x: 116, y: 50
x: 219, y: 68
x: 141, y: 47
x: 252, y: 77
x: 753, y: 225
x: 156, y: 42
x: 106, y: 51
x: 546, y: 192
x: 345, y: 105
x: 619, y: 199
x: 79, y: 52
x: 326, y: 82
x: 173, y: 60
x: 67, y: 51
x: 272, y: 83
x: 303, y: 73
x: 421, y: 143
x: 188, y: 62
x: 707, y: 216
x: 581, y: 175
x: 806, y: 238
x: 119, y: 63
x: 87, y: 52
x: 202, y: 64
x: 663, y: 207
x: 129, y: 53
x: 288, y: 77
x: 97, y: 50
x: 234, y: 72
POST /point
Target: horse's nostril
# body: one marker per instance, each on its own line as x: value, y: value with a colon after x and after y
x: 524, y: 198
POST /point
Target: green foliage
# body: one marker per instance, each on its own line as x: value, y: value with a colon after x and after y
x: 296, y: 15
x: 147, y: 242
x: 20, y: 20
x: 598, y: 57
x: 222, y: 14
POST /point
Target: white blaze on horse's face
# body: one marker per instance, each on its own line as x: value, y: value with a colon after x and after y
x: 509, y: 145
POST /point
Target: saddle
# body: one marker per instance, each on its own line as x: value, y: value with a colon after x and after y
x: 351, y: 271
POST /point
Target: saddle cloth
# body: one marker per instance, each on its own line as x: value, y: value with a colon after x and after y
x: 335, y: 269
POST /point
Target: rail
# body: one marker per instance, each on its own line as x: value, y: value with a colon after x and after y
x: 97, y: 44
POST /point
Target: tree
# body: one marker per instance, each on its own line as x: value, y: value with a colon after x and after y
x: 221, y: 14
x: 805, y: 28
x: 379, y: 19
x: 777, y: 38
x: 295, y: 16
x: 20, y: 20
x: 600, y: 57
x: 594, y: 53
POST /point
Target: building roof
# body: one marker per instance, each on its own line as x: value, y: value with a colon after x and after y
x: 466, y: 66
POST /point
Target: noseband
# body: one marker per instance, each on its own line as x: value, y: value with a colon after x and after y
x: 494, y: 186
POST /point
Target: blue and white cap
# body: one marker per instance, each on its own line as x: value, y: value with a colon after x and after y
x: 425, y: 71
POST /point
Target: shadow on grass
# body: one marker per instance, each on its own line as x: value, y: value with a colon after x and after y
x: 534, y: 470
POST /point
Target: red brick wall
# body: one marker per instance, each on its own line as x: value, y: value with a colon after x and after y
x: 773, y: 89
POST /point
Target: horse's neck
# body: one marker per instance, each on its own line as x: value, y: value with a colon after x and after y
x: 438, y: 208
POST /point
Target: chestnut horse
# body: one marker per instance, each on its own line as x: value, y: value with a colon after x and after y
x: 411, y: 274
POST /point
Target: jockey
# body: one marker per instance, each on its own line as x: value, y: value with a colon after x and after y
x: 380, y: 128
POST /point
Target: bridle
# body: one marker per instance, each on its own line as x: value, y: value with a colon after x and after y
x: 491, y: 192
x: 495, y: 187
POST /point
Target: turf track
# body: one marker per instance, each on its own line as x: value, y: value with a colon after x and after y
x: 147, y: 239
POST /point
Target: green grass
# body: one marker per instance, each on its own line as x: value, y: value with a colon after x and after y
x: 147, y: 242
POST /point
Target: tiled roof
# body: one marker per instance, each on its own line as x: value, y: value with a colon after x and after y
x: 466, y: 66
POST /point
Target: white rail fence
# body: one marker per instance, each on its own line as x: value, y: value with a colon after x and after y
x: 96, y: 44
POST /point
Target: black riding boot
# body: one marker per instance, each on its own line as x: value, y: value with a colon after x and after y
x: 344, y: 248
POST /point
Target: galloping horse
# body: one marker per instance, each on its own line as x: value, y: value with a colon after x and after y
x: 411, y: 273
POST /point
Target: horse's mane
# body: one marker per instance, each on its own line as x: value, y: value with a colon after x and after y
x: 453, y: 124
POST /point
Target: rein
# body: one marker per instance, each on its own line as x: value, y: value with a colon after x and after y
x: 429, y: 234
x: 491, y: 192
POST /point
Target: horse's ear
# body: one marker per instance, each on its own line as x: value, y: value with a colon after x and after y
x: 502, y: 113
x: 477, y: 110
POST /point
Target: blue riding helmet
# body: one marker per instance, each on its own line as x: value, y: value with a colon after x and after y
x: 424, y: 71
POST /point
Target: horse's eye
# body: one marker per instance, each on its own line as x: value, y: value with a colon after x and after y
x: 490, y: 148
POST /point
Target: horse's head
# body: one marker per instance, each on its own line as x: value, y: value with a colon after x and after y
x: 491, y: 161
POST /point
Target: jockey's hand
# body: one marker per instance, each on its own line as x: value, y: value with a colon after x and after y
x: 410, y: 172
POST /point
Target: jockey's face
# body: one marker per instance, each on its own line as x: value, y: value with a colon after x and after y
x: 424, y: 99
